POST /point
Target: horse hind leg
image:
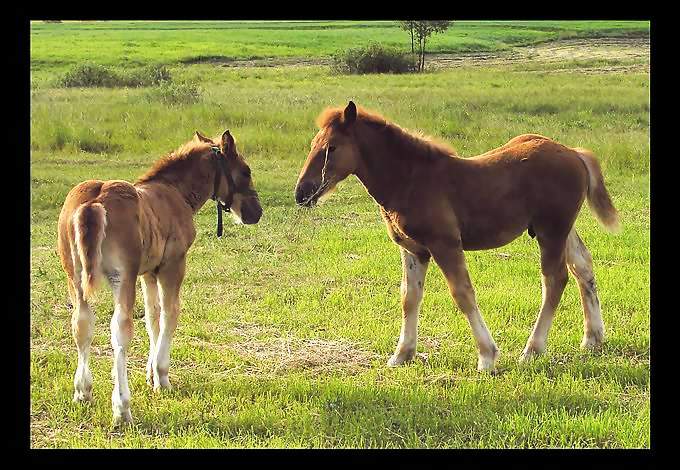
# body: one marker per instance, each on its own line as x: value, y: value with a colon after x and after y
x: 554, y: 280
x: 123, y: 287
x: 82, y: 326
x: 580, y: 264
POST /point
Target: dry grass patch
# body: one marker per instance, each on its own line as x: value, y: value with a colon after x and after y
x: 271, y: 352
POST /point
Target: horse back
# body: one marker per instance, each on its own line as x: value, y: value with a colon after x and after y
x: 540, y: 169
x: 531, y: 181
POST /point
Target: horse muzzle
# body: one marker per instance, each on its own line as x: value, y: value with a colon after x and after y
x: 251, y: 211
x: 305, y: 194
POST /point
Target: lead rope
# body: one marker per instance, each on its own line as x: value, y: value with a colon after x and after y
x: 219, y: 219
x: 219, y: 170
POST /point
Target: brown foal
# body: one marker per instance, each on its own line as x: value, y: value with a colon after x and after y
x: 436, y: 204
x: 119, y: 231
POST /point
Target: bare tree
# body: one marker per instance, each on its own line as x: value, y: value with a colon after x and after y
x: 422, y: 30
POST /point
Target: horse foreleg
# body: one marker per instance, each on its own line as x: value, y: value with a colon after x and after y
x: 412, y: 283
x: 169, y: 281
x: 448, y: 254
x: 152, y: 311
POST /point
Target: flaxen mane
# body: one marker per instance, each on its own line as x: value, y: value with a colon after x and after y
x: 173, y: 165
x: 412, y: 143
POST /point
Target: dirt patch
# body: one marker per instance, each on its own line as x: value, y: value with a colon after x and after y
x: 603, y: 48
x: 278, y: 62
x: 598, y: 55
x: 593, y: 55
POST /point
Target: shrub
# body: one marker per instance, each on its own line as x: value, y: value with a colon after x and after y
x: 89, y: 75
x: 374, y: 58
x: 176, y: 93
x: 94, y: 75
x: 149, y: 76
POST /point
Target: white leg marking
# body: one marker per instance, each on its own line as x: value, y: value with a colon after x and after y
x: 488, y: 351
x: 580, y: 264
x: 168, y: 323
x: 82, y: 323
x: 451, y: 260
x: 412, y: 288
x: 539, y: 335
x: 151, y: 319
x: 121, y: 334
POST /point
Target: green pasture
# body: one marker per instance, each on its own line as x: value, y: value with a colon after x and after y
x: 286, y: 325
x: 135, y: 43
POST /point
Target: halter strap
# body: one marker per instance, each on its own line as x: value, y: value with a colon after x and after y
x: 325, y: 164
x: 322, y: 186
x: 221, y: 170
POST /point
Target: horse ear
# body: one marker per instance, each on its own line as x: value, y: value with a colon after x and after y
x: 350, y: 114
x: 201, y: 138
x: 227, y: 142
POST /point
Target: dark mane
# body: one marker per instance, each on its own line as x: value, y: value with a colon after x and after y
x: 420, y: 143
x: 174, y: 164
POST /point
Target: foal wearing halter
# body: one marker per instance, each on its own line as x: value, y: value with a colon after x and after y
x: 120, y: 231
x: 436, y: 204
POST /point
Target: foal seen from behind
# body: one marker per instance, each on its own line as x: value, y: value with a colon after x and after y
x: 118, y: 231
x: 436, y: 204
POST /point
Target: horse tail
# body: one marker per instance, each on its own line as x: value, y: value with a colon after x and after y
x: 89, y: 221
x: 598, y: 197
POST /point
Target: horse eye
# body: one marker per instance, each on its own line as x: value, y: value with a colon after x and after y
x: 331, y: 148
x: 246, y: 173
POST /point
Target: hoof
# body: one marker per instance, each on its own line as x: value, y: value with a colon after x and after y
x: 149, y: 373
x: 161, y: 384
x: 80, y: 396
x: 487, y: 363
x: 592, y: 341
x: 484, y: 365
x: 529, y: 354
x: 149, y: 379
x: 122, y: 418
x: 401, y: 358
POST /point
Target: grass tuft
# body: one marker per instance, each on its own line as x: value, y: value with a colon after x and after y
x: 176, y: 93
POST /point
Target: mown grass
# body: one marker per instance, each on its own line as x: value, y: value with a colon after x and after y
x: 286, y: 325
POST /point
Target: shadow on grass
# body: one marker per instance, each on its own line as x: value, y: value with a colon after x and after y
x: 339, y: 412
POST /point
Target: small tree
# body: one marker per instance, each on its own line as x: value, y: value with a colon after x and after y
x: 422, y: 30
x: 409, y: 26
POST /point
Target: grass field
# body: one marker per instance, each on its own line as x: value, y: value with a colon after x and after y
x: 132, y: 43
x: 286, y: 325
